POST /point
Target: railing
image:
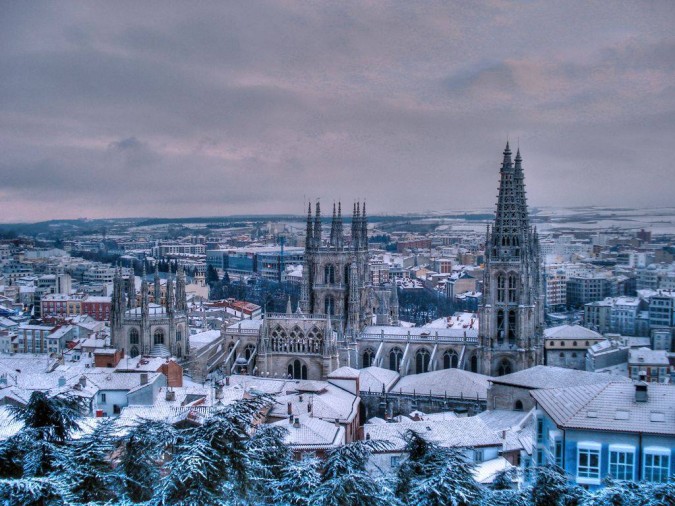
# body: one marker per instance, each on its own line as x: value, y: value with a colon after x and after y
x: 431, y: 338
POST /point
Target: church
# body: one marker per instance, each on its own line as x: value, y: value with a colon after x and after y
x: 343, y: 320
x: 152, y: 329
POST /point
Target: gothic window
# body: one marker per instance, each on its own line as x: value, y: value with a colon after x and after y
x: 422, y: 361
x: 395, y: 358
x: 329, y: 273
x: 504, y: 367
x: 248, y: 351
x: 329, y: 305
x: 513, y: 283
x: 501, y: 326
x: 133, y: 336
x: 501, y: 288
x: 158, y: 336
x: 134, y: 351
x: 512, y: 326
x: 450, y: 360
x: 179, y: 352
x: 474, y: 364
x: 368, y: 357
x: 179, y: 334
x: 297, y: 370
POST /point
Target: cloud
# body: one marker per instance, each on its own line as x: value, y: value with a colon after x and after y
x: 130, y: 109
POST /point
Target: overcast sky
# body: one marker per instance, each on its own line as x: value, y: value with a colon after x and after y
x: 112, y: 109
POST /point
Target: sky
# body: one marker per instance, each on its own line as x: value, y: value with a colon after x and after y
x: 174, y: 109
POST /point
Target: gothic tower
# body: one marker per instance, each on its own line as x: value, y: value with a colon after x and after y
x: 336, y: 279
x: 117, y: 309
x: 512, y: 312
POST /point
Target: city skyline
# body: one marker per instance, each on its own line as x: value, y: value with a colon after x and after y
x: 253, y: 108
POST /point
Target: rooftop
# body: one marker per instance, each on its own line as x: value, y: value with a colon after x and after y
x: 543, y: 376
x: 610, y: 407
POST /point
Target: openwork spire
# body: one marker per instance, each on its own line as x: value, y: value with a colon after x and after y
x: 511, y: 229
x: 309, y: 236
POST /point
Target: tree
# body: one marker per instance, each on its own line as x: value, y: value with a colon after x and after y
x: 346, y: 481
x: 435, y: 476
x: 29, y: 492
x: 210, y: 463
x: 143, y: 450
x: 298, y: 483
x: 269, y: 456
x: 84, y: 466
x: 551, y: 488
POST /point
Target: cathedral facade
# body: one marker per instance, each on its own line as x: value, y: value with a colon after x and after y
x: 141, y: 327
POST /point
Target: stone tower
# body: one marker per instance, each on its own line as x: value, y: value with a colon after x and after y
x: 512, y: 313
x: 336, y: 275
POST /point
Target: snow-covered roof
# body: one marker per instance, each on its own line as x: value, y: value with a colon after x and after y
x: 543, y: 376
x: 648, y: 356
x: 460, y: 433
x: 571, y: 332
x: 312, y: 433
x: 446, y: 382
x: 332, y: 404
x: 371, y: 379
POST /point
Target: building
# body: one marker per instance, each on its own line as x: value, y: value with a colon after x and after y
x: 589, y: 287
x: 566, y: 345
x: 649, y: 365
x: 624, y: 430
x: 512, y: 312
x: 150, y: 329
x: 598, y: 315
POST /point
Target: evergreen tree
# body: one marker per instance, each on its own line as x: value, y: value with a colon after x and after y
x: 84, y: 466
x: 269, y: 456
x: 435, y: 476
x: 298, y: 483
x: 552, y: 488
x: 29, y: 492
x: 346, y: 481
x: 139, y: 469
x: 211, y: 465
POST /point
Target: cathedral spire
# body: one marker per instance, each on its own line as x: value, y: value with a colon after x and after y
x: 317, y: 225
x: 356, y: 226
x: 333, y: 225
x: 157, y: 288
x: 364, y: 228
x: 309, y: 234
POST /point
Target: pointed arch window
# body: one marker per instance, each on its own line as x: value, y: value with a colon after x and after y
x: 501, y: 326
x: 158, y: 337
x: 422, y: 361
x: 297, y: 370
x: 133, y: 336
x: 504, y: 367
x: 474, y: 363
x: 513, y: 288
x: 395, y: 359
x: 512, y: 327
x: 501, y: 288
x: 329, y: 305
x: 368, y: 357
x: 450, y: 360
x: 329, y: 274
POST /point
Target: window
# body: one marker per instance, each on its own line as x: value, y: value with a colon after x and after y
x: 368, y: 357
x: 422, y: 361
x: 555, y: 447
x: 395, y: 460
x: 159, y: 336
x: 102, y: 397
x: 478, y: 455
x: 622, y: 462
x: 450, y: 360
x: 588, y: 463
x: 518, y: 406
x: 540, y: 430
x: 512, y: 288
x: 179, y: 335
x: 395, y: 358
x: 501, y: 288
x: 133, y: 336
x: 504, y: 367
x: 657, y: 464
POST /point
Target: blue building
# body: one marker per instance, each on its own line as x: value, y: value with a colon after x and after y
x: 626, y: 430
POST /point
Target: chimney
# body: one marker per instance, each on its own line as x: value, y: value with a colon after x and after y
x: 170, y: 395
x: 144, y: 378
x: 641, y: 391
x: 337, y: 422
x: 62, y: 381
x: 309, y: 407
x: 83, y: 381
x: 296, y: 422
x: 290, y: 408
x: 227, y: 381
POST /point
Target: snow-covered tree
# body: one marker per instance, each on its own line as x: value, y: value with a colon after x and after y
x: 29, y: 492
x: 552, y: 488
x: 84, y: 466
x: 435, y: 476
x: 298, y: 483
x: 211, y: 464
x: 52, y: 418
x: 268, y: 457
x: 143, y: 447
x: 346, y: 481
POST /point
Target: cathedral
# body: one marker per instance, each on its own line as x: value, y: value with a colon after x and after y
x: 153, y: 329
x: 342, y: 319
